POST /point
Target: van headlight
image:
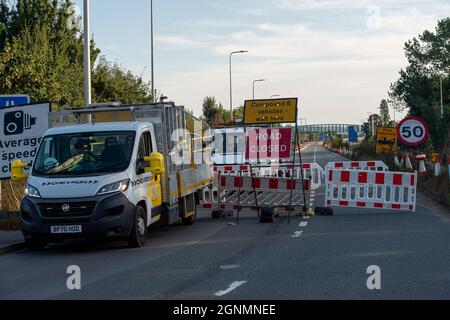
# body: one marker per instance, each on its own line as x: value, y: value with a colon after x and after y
x: 32, y: 191
x: 119, y: 186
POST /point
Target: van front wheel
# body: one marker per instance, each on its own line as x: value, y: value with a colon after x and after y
x: 138, y: 234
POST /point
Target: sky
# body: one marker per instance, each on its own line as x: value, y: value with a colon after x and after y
x: 338, y: 57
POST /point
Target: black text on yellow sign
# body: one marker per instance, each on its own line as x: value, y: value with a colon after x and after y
x: 386, y: 140
x: 270, y: 111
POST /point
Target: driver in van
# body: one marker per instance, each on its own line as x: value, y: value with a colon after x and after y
x: 82, y: 155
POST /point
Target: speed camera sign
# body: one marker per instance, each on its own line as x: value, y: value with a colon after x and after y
x: 413, y: 131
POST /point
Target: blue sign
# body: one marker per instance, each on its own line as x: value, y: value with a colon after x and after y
x: 353, y: 134
x: 14, y: 100
x: 321, y: 138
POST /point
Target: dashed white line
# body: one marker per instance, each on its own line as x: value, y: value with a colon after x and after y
x: 230, y: 288
x: 315, y: 149
x: 229, y: 266
x: 303, y: 224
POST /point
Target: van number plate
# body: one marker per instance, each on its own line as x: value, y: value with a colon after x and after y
x: 66, y: 229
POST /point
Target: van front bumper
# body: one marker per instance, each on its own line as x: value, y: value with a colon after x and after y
x: 99, y: 216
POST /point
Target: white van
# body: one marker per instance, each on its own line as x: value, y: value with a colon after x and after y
x: 99, y: 179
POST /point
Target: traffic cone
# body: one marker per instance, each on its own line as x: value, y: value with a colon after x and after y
x: 396, y: 162
x: 421, y: 158
x: 437, y: 169
x: 408, y: 164
x: 448, y: 167
x: 437, y: 164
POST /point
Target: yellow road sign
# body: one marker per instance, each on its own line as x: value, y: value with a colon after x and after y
x: 386, y: 140
x: 270, y: 111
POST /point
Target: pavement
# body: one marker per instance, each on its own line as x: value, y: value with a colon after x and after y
x: 323, y: 257
x: 10, y: 237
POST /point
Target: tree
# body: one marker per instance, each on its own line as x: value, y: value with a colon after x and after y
x: 419, y: 84
x: 41, y: 54
x: 210, y: 108
x: 110, y: 82
x: 384, y: 113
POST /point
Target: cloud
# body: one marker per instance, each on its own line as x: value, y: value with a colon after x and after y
x: 341, y: 4
x: 212, y: 23
x: 339, y: 74
x: 246, y: 11
x: 177, y: 40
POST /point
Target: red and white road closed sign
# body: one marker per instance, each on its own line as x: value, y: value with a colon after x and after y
x: 269, y: 143
x: 413, y: 131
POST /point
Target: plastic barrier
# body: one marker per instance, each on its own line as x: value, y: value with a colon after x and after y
x: 370, y: 189
x: 311, y: 171
x: 358, y: 165
x: 234, y: 192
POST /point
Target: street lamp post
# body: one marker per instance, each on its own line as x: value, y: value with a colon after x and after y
x: 231, y: 88
x: 151, y: 41
x: 254, y: 81
x: 442, y: 101
x: 87, y: 55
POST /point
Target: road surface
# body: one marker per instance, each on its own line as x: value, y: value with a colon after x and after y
x: 317, y: 258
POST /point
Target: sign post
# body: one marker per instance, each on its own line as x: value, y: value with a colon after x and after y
x: 14, y: 100
x: 21, y: 132
x: 413, y: 131
x: 352, y: 134
x: 270, y: 111
x: 386, y: 141
x: 268, y: 143
x: 266, y: 112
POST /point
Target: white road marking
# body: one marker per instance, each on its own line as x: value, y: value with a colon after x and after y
x: 298, y: 232
x: 230, y: 288
x: 303, y: 224
x: 315, y: 149
x: 307, y: 217
x: 229, y: 266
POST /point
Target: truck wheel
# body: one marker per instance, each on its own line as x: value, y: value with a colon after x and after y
x: 189, y: 220
x: 138, y: 234
x: 35, y: 243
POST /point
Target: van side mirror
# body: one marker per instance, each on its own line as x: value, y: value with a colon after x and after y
x: 17, y: 174
x: 156, y: 161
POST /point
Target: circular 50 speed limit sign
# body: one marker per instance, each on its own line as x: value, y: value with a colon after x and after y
x: 413, y: 131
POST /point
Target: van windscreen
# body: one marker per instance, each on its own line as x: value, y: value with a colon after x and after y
x: 88, y: 153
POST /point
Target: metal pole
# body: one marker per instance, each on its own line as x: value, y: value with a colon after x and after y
x: 254, y: 81
x: 231, y: 92
x: 442, y: 101
x: 87, y: 55
x: 254, y: 90
x: 151, y: 41
x: 231, y: 88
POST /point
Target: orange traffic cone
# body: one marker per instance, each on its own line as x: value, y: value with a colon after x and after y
x: 421, y: 158
x: 448, y: 167
x: 396, y: 162
x: 408, y: 164
x: 435, y: 158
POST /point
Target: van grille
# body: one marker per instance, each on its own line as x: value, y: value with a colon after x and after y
x: 76, y: 209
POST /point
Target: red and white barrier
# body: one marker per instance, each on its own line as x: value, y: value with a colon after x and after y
x: 358, y: 165
x: 262, y: 184
x: 311, y: 171
x: 370, y: 189
x: 234, y: 192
